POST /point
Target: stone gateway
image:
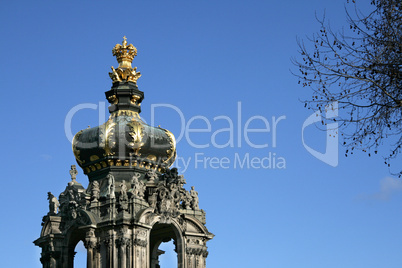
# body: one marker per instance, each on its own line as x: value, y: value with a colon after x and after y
x: 134, y: 200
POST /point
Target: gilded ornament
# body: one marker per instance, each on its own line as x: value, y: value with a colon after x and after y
x: 151, y: 157
x: 124, y: 54
x: 134, y: 99
x: 113, y: 99
x: 114, y: 75
x: 124, y: 112
x: 136, y: 133
x: 107, y: 140
x: 93, y: 158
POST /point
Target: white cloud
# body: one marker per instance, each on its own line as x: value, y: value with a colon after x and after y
x: 388, y: 187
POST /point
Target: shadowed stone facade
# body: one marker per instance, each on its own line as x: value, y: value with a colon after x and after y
x: 134, y: 200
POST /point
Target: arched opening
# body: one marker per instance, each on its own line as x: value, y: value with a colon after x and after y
x: 169, y: 257
x: 76, y: 252
x: 164, y: 249
x: 80, y: 256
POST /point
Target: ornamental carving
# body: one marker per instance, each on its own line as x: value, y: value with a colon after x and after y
x: 70, y: 198
x: 122, y: 241
x: 113, y: 99
x: 194, y: 241
x: 108, y: 243
x: 197, y: 251
x: 107, y: 137
x: 140, y: 242
x: 136, y: 134
x: 141, y: 233
x: 151, y: 175
x: 128, y: 74
x: 90, y: 243
x: 169, y: 196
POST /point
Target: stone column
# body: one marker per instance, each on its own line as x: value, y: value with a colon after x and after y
x: 140, y: 248
x: 129, y: 254
x: 90, y: 256
x: 97, y: 257
x: 50, y: 258
x: 109, y: 253
x: 122, y: 258
x: 190, y: 259
x: 141, y: 256
x: 90, y: 244
x: 196, y: 257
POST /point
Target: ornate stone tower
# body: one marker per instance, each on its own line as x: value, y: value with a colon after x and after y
x: 134, y: 200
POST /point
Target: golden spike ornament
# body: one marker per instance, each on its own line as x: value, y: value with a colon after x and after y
x: 124, y: 54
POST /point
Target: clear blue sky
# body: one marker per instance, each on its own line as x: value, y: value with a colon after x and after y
x: 206, y: 58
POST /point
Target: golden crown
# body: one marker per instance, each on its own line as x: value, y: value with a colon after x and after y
x: 124, y: 53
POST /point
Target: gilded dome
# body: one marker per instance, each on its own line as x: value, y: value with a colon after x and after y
x: 124, y: 140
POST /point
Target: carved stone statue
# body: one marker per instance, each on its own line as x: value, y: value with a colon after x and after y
x: 194, y: 195
x: 95, y: 191
x: 53, y: 203
x: 73, y: 173
x: 110, y: 186
x: 138, y: 187
x: 187, y: 200
x: 123, y: 198
x: 123, y: 190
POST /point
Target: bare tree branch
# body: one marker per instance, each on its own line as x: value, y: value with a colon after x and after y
x: 361, y: 69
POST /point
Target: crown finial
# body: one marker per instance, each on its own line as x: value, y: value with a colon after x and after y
x: 124, y: 54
